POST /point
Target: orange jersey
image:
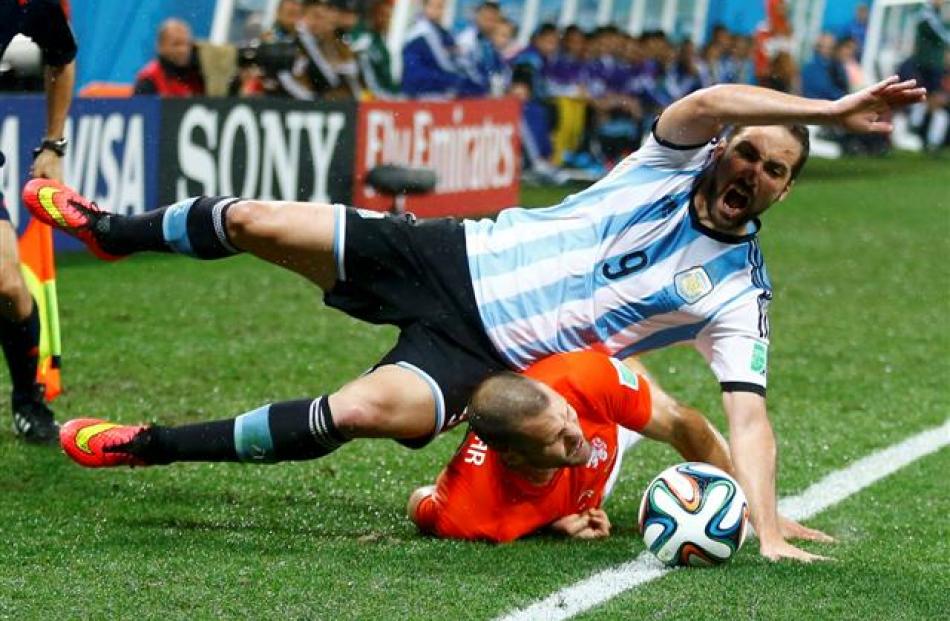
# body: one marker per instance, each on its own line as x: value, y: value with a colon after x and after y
x: 478, y: 497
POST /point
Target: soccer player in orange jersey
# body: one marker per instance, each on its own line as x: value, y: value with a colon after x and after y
x: 545, y: 447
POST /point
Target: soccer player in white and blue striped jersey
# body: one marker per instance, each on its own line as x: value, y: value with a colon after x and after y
x: 661, y: 251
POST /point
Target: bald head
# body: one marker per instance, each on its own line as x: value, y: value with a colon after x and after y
x: 174, y: 42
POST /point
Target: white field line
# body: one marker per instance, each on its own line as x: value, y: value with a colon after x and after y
x: 827, y: 492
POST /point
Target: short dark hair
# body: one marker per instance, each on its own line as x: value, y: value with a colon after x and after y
x: 545, y: 29
x: 800, y: 133
x: 501, y: 404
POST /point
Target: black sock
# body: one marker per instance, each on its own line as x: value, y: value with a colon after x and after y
x: 285, y: 431
x: 212, y: 441
x: 21, y: 347
x: 195, y: 227
x: 119, y: 235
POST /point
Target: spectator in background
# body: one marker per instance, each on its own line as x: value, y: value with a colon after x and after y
x: 431, y: 64
x: 503, y: 38
x: 369, y: 45
x: 479, y: 57
x: 930, y: 44
x: 325, y: 67
x: 175, y: 71
x: 857, y: 29
x: 284, y: 28
x: 773, y: 37
x: 782, y: 74
x: 742, y: 62
x: 567, y: 75
x: 684, y: 75
x: 823, y: 77
x: 533, y: 64
x: 846, y: 51
x: 348, y: 17
x: 929, y: 65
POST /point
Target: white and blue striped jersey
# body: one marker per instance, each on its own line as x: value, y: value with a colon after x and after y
x: 624, y: 267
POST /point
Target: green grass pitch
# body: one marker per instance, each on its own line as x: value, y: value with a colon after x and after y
x: 858, y: 256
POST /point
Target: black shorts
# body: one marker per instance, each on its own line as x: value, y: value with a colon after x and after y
x: 414, y: 275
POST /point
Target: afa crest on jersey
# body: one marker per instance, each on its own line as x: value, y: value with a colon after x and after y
x: 693, y: 284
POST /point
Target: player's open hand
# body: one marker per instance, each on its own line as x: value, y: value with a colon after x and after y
x: 780, y: 549
x: 866, y: 110
x: 791, y: 529
x: 591, y: 524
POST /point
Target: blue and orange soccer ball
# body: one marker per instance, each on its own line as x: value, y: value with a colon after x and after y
x: 693, y: 514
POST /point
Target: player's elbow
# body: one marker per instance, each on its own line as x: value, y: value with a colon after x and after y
x: 415, y: 499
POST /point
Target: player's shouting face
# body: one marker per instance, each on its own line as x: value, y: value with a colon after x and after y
x: 754, y: 170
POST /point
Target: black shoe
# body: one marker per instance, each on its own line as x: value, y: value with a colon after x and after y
x: 33, y: 420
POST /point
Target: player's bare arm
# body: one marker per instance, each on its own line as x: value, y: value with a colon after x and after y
x: 59, y: 83
x: 701, y: 116
x: 754, y: 457
x: 682, y: 427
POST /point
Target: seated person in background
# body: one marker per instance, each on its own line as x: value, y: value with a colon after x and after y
x: 368, y: 42
x: 823, y: 77
x: 503, y: 39
x: 480, y: 59
x: 431, y: 62
x: 534, y: 62
x: 284, y: 27
x: 325, y: 67
x: 175, y: 71
x: 567, y: 76
x: 544, y: 449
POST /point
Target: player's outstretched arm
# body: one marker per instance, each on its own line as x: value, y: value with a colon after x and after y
x: 700, y: 116
x: 754, y: 456
x: 686, y: 430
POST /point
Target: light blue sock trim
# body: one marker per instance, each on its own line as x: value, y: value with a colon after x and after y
x: 339, y: 240
x: 436, y: 395
x: 175, y: 226
x: 252, y: 440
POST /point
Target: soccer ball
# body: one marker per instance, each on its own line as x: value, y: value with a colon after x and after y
x: 693, y: 514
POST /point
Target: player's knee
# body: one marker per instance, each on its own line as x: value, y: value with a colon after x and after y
x: 12, y: 287
x: 359, y: 414
x: 252, y: 220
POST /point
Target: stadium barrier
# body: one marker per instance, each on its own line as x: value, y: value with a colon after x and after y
x: 138, y: 153
x: 474, y: 147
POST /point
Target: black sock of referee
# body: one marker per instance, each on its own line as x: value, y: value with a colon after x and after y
x: 195, y: 227
x: 21, y: 345
x: 285, y: 431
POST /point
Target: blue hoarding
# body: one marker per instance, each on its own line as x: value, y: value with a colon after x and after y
x: 112, y: 154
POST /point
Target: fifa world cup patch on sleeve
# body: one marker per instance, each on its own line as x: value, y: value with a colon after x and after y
x: 626, y: 376
x: 693, y: 284
x: 760, y: 358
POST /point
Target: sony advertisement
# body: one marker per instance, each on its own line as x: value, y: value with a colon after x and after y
x: 268, y: 149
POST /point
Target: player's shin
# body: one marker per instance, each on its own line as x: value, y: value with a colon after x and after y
x: 195, y: 227
x: 284, y: 431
